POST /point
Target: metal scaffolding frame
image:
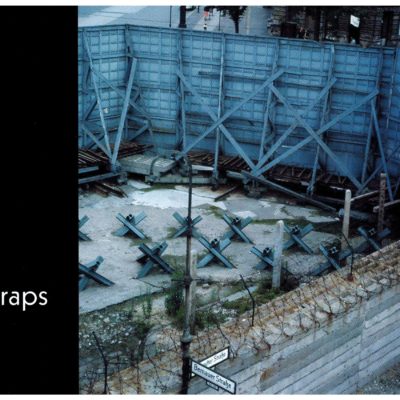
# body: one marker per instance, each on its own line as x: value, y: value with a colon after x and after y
x: 267, y: 133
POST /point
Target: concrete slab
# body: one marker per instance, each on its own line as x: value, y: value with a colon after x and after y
x: 159, y: 203
x: 147, y: 164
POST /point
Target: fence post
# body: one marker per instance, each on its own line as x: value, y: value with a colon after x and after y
x: 277, y: 268
x: 382, y: 196
x: 346, y: 217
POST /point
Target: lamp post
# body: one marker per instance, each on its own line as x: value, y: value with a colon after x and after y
x: 190, y: 287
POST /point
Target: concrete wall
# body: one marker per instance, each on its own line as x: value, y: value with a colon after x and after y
x: 332, y: 335
x: 339, y: 357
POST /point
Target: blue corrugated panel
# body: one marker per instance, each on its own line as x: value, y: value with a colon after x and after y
x: 248, y: 62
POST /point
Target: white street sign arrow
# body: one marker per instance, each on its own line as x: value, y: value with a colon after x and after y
x: 217, y: 379
x: 215, y: 359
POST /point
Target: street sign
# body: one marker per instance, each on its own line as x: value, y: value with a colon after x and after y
x: 215, y: 359
x: 215, y: 387
x: 213, y: 377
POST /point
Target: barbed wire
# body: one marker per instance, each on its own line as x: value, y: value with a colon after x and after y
x: 326, y: 299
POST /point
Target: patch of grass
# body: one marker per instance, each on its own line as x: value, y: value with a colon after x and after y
x: 176, y: 262
x: 216, y: 211
x: 268, y: 221
x: 175, y: 307
x: 301, y: 222
x: 264, y: 292
x: 203, y: 319
x: 239, y: 305
x: 266, y: 296
x: 171, y: 232
x: 174, y: 298
x: 159, y: 186
x: 137, y: 241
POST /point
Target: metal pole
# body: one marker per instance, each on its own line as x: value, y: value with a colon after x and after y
x: 382, y: 196
x: 277, y: 268
x: 346, y: 217
x: 219, y: 21
x: 182, y: 17
x: 190, y: 287
x: 170, y: 15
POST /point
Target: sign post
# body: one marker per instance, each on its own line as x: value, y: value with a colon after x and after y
x: 213, y: 377
x: 215, y: 359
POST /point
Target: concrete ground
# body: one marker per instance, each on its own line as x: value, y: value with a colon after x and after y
x: 253, y: 22
x: 159, y: 203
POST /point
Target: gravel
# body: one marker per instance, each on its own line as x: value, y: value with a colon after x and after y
x: 387, y: 383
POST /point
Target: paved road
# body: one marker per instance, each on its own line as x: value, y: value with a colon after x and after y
x: 253, y: 22
x: 136, y: 15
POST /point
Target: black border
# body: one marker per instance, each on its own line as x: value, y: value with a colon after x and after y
x: 39, y: 347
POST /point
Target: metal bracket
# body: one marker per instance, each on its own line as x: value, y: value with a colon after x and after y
x: 151, y: 258
x: 237, y: 225
x: 296, y: 234
x: 266, y: 257
x: 182, y: 231
x: 130, y: 223
x: 88, y: 271
x: 333, y: 255
x: 215, y: 248
x: 83, y: 236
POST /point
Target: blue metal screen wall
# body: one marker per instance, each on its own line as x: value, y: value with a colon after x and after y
x: 246, y: 63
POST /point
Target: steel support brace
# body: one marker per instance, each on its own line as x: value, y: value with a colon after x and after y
x: 236, y: 226
x: 140, y: 131
x: 392, y: 87
x: 371, y: 125
x: 151, y: 258
x: 95, y: 140
x: 266, y: 258
x: 378, y: 169
x: 307, y: 140
x: 130, y: 225
x: 220, y: 102
x: 361, y: 248
x: 372, y: 237
x: 215, y: 249
x: 185, y: 224
x: 269, y: 100
x: 294, y: 125
x: 182, y: 95
x: 88, y: 271
x: 83, y: 236
x: 285, y: 190
x: 121, y: 93
x: 341, y: 166
x: 325, y: 111
x: 381, y: 151
x: 90, y: 109
x: 218, y: 122
x: 124, y: 111
x: 332, y: 254
x: 96, y: 89
x: 296, y: 237
x: 333, y: 260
